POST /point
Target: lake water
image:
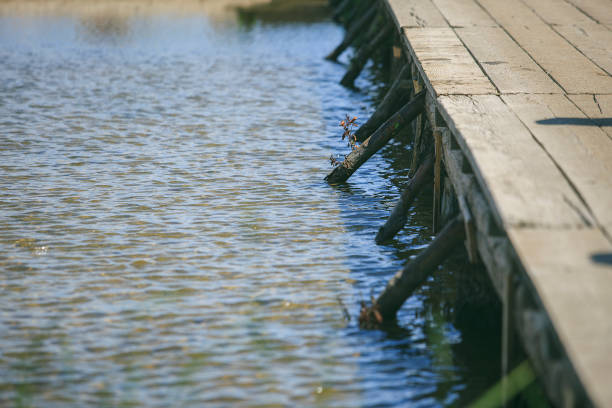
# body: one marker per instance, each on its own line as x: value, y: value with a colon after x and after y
x: 167, y: 238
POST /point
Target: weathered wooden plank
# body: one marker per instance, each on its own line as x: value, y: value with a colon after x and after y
x: 598, y: 10
x: 582, y: 151
x: 445, y: 64
x: 510, y: 12
x: 574, y: 282
x: 572, y: 70
x: 416, y: 13
x: 593, y: 40
x: 597, y: 107
x: 522, y: 185
x: 506, y: 64
x: 464, y: 13
x: 558, y: 12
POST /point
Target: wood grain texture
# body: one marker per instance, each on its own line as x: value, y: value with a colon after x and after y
x: 445, y: 64
x: 596, y: 107
x: 534, y: 162
x: 591, y: 39
x: 558, y: 12
x: 581, y: 150
x: 510, y: 12
x: 521, y: 183
x: 464, y: 13
x: 506, y: 64
x: 572, y: 70
x: 574, y: 284
x: 598, y: 10
x: 416, y: 13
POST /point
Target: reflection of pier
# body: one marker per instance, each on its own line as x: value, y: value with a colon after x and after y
x: 518, y: 110
x: 215, y: 10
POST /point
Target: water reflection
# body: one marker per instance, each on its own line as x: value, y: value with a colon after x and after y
x: 106, y: 27
x: 167, y: 236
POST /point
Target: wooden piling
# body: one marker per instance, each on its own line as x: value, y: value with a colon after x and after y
x: 437, y: 193
x: 417, y: 124
x: 353, y: 32
x: 341, y: 9
x: 404, y: 283
x: 397, y: 93
x: 364, y: 53
x: 399, y: 215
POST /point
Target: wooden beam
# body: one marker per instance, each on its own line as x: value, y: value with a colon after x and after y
x: 403, y: 284
x: 399, y: 215
x: 437, y: 179
x: 398, y: 91
x: 364, y: 53
x: 378, y: 139
x: 354, y: 31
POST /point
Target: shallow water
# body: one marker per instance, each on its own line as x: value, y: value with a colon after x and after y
x: 167, y: 237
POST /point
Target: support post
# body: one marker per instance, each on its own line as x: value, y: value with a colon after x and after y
x: 354, y: 31
x: 399, y: 91
x: 399, y: 215
x: 342, y: 7
x: 363, y: 55
x: 470, y: 229
x: 437, y: 194
x: 377, y: 140
x: 403, y: 284
x: 508, y: 346
x: 418, y: 124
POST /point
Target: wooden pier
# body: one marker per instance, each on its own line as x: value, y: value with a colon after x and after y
x: 518, y: 106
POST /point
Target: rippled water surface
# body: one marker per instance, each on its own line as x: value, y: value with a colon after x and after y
x: 166, y: 235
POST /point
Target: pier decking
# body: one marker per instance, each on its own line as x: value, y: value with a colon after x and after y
x: 519, y: 97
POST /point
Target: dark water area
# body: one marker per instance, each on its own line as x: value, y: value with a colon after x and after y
x: 168, y: 239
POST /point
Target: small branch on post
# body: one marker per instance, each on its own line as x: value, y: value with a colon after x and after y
x: 399, y: 90
x: 408, y: 279
x: 398, y: 217
x: 363, y: 55
x: 354, y: 31
x: 377, y: 140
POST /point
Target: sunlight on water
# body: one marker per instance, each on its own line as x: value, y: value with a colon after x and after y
x: 167, y: 239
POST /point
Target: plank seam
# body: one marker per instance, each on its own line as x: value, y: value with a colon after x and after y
x: 521, y: 47
x: 468, y: 49
x: 585, y: 219
x: 586, y: 114
x: 552, y: 27
x: 587, y: 14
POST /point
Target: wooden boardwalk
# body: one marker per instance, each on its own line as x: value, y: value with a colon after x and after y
x: 520, y: 95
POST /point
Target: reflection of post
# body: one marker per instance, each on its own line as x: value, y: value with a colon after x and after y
x: 106, y: 25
